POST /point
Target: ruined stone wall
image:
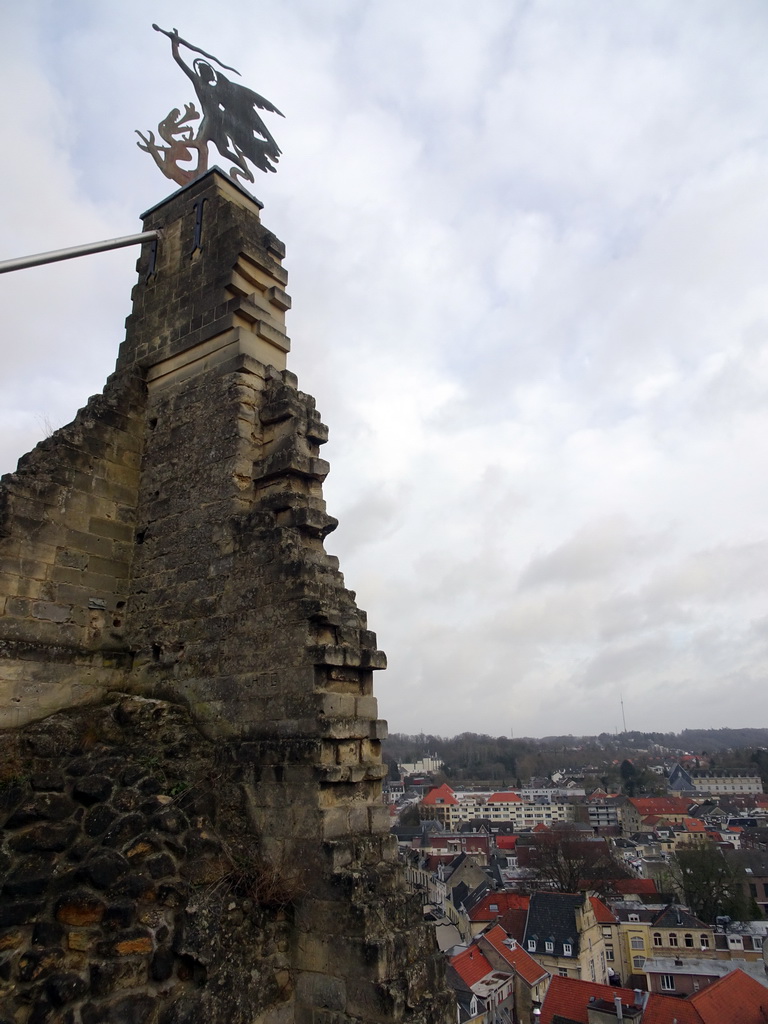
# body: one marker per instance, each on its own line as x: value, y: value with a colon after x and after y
x: 234, y: 612
x: 67, y: 520
x: 133, y: 886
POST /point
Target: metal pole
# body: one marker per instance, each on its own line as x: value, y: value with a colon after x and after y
x: 77, y: 250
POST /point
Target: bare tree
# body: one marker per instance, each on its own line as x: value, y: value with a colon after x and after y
x: 567, y: 860
x: 710, y: 884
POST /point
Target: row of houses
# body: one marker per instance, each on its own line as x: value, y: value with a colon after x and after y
x: 630, y: 937
x: 497, y: 978
x: 635, y: 919
x: 607, y: 814
x: 450, y: 808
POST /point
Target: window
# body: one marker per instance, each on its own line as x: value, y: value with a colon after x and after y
x: 657, y: 938
x: 667, y: 983
x: 705, y: 942
x: 609, y: 954
x: 638, y: 962
x: 549, y: 947
x: 563, y: 972
x: 672, y: 939
x: 636, y: 942
x: 532, y: 945
x: 633, y: 917
x: 567, y: 949
x: 494, y: 906
x: 689, y: 941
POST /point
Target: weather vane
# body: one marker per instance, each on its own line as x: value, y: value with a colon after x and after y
x: 229, y: 121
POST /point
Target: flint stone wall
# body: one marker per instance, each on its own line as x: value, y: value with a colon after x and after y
x: 133, y: 888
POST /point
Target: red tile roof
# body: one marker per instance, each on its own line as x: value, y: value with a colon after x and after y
x: 601, y: 912
x: 716, y: 1003
x: 568, y: 997
x: 440, y: 795
x: 503, y: 901
x: 506, y: 842
x: 529, y: 969
x: 694, y: 825
x: 635, y: 886
x: 513, y: 922
x: 734, y: 999
x: 505, y: 798
x: 666, y: 1009
x: 660, y: 805
x: 471, y: 965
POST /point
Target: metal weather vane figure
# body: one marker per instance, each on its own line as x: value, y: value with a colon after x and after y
x: 229, y: 121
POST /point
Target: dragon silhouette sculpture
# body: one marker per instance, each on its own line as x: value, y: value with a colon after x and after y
x: 229, y: 120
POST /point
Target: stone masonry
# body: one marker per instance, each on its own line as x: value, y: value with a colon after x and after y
x: 163, y: 556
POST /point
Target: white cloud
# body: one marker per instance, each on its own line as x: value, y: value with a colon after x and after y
x: 526, y: 246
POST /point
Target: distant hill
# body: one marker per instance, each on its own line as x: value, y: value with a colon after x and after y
x: 693, y: 740
x: 500, y: 760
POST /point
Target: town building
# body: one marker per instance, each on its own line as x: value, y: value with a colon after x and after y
x: 697, y: 782
x: 685, y: 976
x: 563, y: 934
x: 637, y: 809
x: 733, y: 999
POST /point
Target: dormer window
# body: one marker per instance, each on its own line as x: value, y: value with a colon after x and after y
x: 531, y: 945
x: 494, y: 906
x: 549, y: 947
x: 567, y: 949
x: 633, y: 917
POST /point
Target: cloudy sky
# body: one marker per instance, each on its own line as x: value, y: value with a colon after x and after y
x: 528, y: 253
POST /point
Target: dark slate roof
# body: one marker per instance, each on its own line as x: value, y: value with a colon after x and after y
x: 405, y: 833
x: 674, y: 916
x: 459, y: 894
x: 552, y: 918
x: 495, y: 873
x: 477, y: 826
x: 754, y: 862
x: 472, y: 898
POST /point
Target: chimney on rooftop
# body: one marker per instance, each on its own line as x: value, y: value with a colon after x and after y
x: 619, y: 1010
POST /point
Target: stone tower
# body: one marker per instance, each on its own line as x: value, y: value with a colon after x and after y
x: 191, y: 771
